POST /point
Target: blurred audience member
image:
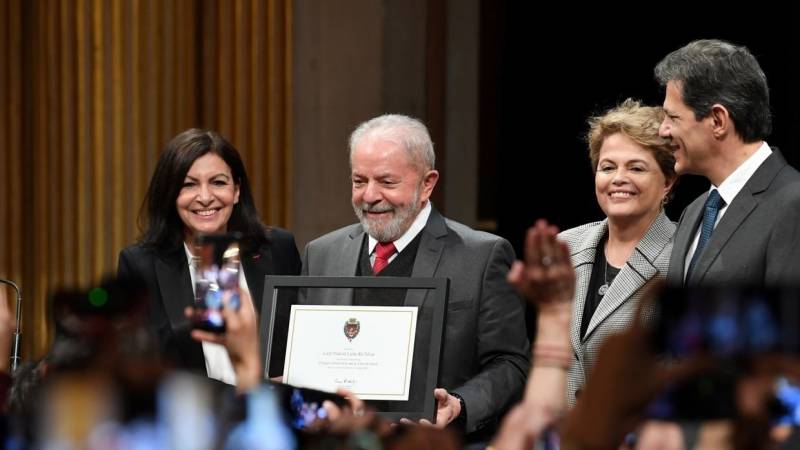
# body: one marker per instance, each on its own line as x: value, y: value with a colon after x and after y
x: 550, y: 287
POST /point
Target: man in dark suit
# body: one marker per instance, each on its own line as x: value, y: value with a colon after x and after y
x: 485, y: 356
x: 746, y: 228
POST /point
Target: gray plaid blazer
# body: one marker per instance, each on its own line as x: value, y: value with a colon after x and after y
x: 615, y: 312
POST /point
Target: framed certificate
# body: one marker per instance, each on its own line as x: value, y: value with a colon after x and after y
x: 367, y: 350
x: 317, y: 332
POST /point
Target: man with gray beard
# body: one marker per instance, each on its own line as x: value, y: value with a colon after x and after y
x: 485, y: 358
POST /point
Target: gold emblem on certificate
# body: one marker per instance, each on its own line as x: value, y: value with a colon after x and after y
x: 351, y: 328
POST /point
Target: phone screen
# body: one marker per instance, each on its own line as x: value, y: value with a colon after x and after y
x: 788, y: 395
x: 727, y: 327
x: 305, y: 412
x: 303, y: 406
x: 216, y: 281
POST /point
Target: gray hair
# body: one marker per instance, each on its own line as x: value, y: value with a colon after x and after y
x: 407, y: 131
x: 711, y: 71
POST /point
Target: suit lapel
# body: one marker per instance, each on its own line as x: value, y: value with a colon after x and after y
x: 742, y: 206
x: 175, y: 284
x: 351, y: 253
x: 341, y: 259
x: 582, y: 254
x: 638, y: 270
x: 348, y: 258
x: 255, y: 266
x: 431, y: 247
x: 690, y: 221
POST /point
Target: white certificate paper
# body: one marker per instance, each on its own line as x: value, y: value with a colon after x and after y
x: 367, y: 350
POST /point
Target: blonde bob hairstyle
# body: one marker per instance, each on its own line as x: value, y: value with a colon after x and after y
x: 640, y: 124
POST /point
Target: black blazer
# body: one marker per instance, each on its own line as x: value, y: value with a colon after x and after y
x: 166, y: 274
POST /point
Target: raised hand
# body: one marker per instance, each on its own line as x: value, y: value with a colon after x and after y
x: 546, y: 276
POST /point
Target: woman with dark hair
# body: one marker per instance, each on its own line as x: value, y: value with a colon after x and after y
x: 200, y: 187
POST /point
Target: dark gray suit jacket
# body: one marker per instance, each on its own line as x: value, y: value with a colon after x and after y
x: 757, y: 241
x: 485, y: 355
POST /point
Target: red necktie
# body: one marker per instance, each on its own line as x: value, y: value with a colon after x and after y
x: 382, y: 254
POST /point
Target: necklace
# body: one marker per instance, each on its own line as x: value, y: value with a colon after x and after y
x: 604, y: 288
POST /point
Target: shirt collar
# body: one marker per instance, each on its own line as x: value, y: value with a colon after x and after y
x: 192, y: 260
x: 730, y: 188
x: 412, y: 232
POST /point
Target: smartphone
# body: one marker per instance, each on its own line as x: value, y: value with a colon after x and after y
x: 303, y: 406
x: 216, y: 280
x: 728, y: 327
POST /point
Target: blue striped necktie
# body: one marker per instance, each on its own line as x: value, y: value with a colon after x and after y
x: 713, y: 204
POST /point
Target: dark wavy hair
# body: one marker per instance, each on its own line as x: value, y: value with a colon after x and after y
x: 158, y: 217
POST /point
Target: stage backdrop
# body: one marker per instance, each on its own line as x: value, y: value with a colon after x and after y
x: 91, y: 90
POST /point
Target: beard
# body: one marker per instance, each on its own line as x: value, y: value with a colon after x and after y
x: 388, y: 229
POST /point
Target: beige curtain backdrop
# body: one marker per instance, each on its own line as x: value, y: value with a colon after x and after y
x: 91, y: 90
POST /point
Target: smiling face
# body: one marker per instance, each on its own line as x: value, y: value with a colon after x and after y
x: 629, y: 183
x: 206, y: 200
x: 389, y: 187
x: 692, y: 140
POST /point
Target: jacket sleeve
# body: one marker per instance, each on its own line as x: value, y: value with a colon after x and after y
x: 503, y: 347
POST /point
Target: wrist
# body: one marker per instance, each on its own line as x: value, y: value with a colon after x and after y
x: 552, y: 354
x: 552, y: 331
x: 557, y: 310
x: 461, y: 416
x: 248, y: 375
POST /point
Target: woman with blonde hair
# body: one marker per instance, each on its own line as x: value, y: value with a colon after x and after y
x: 616, y: 257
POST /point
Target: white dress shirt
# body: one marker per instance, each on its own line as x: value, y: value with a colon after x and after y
x: 728, y: 190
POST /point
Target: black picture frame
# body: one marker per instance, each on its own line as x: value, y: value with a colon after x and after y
x: 432, y: 315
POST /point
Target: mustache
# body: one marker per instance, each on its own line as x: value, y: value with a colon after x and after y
x: 376, y: 208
